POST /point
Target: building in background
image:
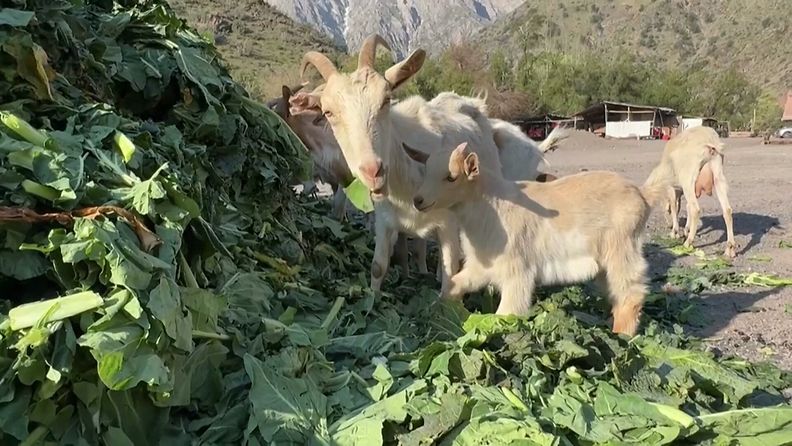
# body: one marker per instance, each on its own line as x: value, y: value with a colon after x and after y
x: 622, y: 120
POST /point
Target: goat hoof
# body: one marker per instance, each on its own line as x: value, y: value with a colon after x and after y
x: 731, y: 252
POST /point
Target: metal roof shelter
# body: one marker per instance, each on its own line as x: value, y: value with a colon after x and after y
x: 538, y: 127
x: 625, y: 120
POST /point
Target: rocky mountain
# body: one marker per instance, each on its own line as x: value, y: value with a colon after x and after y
x: 406, y: 24
x: 754, y: 37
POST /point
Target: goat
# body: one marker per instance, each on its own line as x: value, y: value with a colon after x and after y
x: 300, y: 112
x: 371, y: 132
x: 312, y: 130
x: 520, y: 155
x: 516, y: 235
x: 693, y: 161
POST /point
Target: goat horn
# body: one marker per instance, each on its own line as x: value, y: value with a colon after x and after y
x: 368, y: 51
x: 322, y: 64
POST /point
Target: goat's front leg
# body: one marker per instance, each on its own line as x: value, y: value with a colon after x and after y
x: 517, y: 294
x: 470, y: 278
x: 450, y: 251
x: 384, y: 239
x: 722, y: 192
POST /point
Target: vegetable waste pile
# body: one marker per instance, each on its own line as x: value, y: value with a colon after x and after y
x: 160, y: 283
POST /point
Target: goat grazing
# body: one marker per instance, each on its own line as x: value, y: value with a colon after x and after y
x: 371, y: 133
x: 516, y: 235
x: 693, y: 161
x: 311, y: 128
x: 301, y: 113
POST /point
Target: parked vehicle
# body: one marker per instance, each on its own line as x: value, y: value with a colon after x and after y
x: 785, y: 132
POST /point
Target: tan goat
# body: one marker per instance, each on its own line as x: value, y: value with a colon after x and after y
x: 693, y: 161
x: 315, y: 134
x: 517, y: 235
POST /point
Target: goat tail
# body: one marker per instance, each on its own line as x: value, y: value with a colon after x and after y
x: 655, y: 193
x: 553, y: 139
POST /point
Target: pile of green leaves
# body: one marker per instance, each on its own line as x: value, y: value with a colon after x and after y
x: 214, y: 306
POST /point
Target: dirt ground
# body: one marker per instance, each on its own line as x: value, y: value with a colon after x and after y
x: 749, y: 322
x: 753, y: 323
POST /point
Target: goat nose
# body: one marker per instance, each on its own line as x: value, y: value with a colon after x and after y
x: 372, y: 170
x: 417, y: 202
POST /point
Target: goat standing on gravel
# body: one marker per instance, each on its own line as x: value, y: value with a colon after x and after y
x: 516, y: 235
x: 693, y: 160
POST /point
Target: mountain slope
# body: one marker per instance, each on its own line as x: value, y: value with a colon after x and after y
x: 406, y: 24
x: 262, y: 46
x: 754, y: 37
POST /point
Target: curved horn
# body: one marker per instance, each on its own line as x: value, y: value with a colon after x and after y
x: 368, y: 51
x: 323, y: 65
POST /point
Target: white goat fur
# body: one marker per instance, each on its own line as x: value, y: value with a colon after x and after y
x: 520, y: 156
x: 516, y: 235
x: 693, y: 161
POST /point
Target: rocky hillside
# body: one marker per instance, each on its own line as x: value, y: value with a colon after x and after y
x: 407, y: 24
x: 755, y: 37
x: 262, y: 46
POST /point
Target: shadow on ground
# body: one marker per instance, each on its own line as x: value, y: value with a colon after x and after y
x: 754, y: 226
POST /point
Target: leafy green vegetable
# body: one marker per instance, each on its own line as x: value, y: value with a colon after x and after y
x: 15, y: 17
x: 358, y: 194
x: 30, y: 314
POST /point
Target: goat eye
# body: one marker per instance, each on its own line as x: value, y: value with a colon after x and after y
x: 328, y: 114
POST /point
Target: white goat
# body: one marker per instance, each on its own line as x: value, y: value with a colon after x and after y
x: 516, y: 235
x: 301, y: 113
x: 371, y: 134
x: 693, y: 160
x: 520, y: 156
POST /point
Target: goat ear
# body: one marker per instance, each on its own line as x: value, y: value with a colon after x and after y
x: 400, y: 73
x: 471, y: 166
x: 415, y: 155
x: 302, y: 102
x: 460, y: 151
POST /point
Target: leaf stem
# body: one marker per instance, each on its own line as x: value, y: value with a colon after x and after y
x: 198, y: 334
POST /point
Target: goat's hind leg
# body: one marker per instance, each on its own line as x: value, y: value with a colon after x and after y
x: 625, y: 273
x: 674, y: 203
x: 693, y: 209
x: 722, y: 192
